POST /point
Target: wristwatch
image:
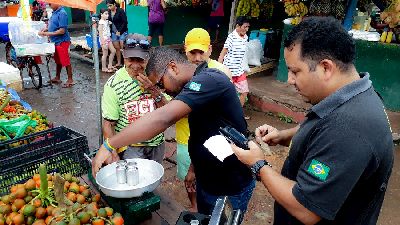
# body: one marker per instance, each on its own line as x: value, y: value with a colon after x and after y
x: 158, y: 98
x: 255, y: 169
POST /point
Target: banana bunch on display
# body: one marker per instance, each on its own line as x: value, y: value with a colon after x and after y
x: 391, y: 15
x: 255, y: 9
x: 243, y: 8
x: 295, y: 8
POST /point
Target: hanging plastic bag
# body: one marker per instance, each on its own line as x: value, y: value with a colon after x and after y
x: 16, y: 127
x: 254, y: 52
x: 245, y: 61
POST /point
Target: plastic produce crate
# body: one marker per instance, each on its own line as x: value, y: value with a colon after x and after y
x: 60, y: 148
x: 133, y: 210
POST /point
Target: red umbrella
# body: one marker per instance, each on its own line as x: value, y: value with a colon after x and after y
x: 80, y: 4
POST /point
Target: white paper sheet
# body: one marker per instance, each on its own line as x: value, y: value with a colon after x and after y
x: 219, y: 147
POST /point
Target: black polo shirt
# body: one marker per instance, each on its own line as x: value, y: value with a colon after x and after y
x: 341, y: 158
x: 214, y: 103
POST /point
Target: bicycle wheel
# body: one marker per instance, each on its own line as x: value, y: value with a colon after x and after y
x: 35, y: 75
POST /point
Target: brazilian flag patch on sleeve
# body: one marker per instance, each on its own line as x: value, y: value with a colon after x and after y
x: 318, y: 170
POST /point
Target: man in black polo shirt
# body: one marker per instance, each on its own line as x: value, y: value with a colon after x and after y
x: 210, y: 99
x: 341, y: 156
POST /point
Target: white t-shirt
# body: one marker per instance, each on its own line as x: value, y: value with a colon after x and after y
x: 236, y: 46
x: 106, y: 28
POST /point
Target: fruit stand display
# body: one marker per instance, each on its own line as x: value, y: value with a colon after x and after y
x: 17, y: 120
x: 52, y: 199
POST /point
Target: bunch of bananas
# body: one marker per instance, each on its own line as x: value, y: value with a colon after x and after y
x: 243, y: 8
x: 255, y: 9
x: 295, y: 8
x: 248, y: 6
x: 391, y: 15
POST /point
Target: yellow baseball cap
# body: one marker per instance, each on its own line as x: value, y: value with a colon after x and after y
x: 197, y: 38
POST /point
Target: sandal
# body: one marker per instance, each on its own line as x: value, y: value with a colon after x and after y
x: 68, y: 85
x: 108, y: 71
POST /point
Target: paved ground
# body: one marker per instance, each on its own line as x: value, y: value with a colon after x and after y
x: 76, y: 108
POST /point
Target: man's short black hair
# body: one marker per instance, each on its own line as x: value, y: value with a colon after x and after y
x: 112, y: 2
x: 323, y: 38
x: 160, y: 57
x: 242, y: 20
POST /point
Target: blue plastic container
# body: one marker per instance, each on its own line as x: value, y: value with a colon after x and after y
x: 253, y: 34
x: 4, y: 32
x: 89, y: 41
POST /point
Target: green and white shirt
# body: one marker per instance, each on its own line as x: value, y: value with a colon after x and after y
x: 124, y: 101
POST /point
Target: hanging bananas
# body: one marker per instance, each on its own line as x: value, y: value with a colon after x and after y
x: 295, y: 8
x: 248, y: 6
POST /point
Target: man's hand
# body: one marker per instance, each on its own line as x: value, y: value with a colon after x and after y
x: 43, y: 33
x: 190, y: 180
x: 118, y: 33
x: 249, y: 157
x: 144, y: 81
x: 114, y: 158
x: 101, y: 156
x: 269, y: 134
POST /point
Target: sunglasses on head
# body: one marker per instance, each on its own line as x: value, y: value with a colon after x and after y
x: 133, y: 43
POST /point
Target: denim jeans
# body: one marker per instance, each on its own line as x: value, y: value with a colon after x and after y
x: 206, y: 201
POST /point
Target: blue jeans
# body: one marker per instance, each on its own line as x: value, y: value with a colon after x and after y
x: 206, y: 201
x: 115, y: 38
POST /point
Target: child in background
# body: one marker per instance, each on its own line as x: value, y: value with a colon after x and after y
x: 106, y: 43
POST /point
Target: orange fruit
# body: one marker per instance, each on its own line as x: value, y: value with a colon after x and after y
x: 80, y: 198
x: 62, y: 222
x: 98, y: 222
x: 109, y: 211
x: 117, y: 220
x: 29, y: 210
x: 39, y: 222
x: 102, y: 212
x: 86, y: 193
x: 30, y: 185
x: 48, y: 220
x: 37, y: 183
x: 21, y: 192
x: 81, y: 188
x: 5, y: 209
x: 13, y: 189
x: 28, y: 199
x: 36, y: 177
x: 84, y: 217
x: 74, y: 187
x: 40, y: 213
x: 96, y: 198
x: 71, y: 196
x: 19, y: 203
x: 93, y: 207
x: 67, y: 184
x: 29, y: 220
x: 49, y: 210
x: 6, y: 199
x: 37, y: 202
x: 18, y: 219
x: 10, y: 217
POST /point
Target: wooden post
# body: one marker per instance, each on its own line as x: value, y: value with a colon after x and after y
x: 232, y: 20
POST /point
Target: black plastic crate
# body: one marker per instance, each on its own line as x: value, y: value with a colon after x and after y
x: 60, y: 148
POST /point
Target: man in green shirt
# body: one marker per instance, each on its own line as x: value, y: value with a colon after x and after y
x: 128, y: 95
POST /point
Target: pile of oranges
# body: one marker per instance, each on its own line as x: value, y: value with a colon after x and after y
x: 20, y: 207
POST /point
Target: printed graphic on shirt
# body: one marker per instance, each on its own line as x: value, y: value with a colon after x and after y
x: 318, y: 169
x: 194, y: 86
x: 137, y: 108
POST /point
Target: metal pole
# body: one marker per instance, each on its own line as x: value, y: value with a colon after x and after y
x: 97, y: 72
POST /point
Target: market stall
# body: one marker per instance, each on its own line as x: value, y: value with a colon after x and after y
x: 377, y: 39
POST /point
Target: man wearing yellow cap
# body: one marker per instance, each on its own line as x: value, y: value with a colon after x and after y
x: 198, y: 50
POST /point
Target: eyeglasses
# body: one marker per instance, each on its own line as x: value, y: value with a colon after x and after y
x: 133, y: 43
x: 109, y: 5
x: 160, y: 83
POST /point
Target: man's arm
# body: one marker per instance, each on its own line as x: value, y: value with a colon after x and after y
x: 273, y: 136
x: 222, y: 55
x: 143, y: 129
x: 58, y: 32
x: 281, y: 190
x: 279, y: 187
x: 108, y: 128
